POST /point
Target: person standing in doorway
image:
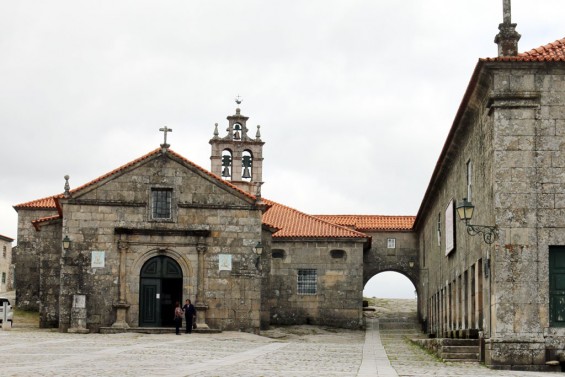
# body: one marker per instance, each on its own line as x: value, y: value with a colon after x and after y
x: 178, y: 317
x: 189, y: 315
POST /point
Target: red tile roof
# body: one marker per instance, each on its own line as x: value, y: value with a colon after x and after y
x: 49, y: 202
x: 551, y: 52
x: 365, y: 223
x: 296, y: 224
x: 37, y: 223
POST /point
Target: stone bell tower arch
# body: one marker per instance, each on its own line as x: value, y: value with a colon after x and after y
x: 237, y: 157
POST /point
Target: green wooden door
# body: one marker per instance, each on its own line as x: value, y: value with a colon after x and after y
x: 557, y: 286
x: 160, y: 288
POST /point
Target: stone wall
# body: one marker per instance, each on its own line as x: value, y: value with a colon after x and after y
x: 528, y: 108
x: 511, y: 131
x: 338, y: 300
x: 27, y: 257
x: 232, y: 222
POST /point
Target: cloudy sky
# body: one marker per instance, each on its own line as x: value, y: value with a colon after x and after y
x: 354, y: 98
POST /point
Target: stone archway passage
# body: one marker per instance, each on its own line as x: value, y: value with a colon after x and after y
x: 160, y: 287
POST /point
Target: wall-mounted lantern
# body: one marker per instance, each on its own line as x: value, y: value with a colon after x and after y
x: 259, y: 248
x: 66, y: 243
x: 465, y: 213
x: 258, y: 251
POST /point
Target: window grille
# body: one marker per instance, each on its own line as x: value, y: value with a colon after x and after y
x: 161, y: 202
x: 307, y: 282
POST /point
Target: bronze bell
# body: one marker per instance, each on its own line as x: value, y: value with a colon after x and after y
x: 226, y: 172
x: 246, y: 173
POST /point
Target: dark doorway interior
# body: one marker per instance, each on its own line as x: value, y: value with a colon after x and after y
x: 160, y: 288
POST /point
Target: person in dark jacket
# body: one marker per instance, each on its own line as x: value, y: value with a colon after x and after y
x: 189, y: 315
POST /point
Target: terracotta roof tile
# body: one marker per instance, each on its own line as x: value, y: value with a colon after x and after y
x: 50, y: 202
x: 37, y: 223
x: 44, y: 203
x: 551, y: 52
x: 296, y: 224
x: 365, y: 223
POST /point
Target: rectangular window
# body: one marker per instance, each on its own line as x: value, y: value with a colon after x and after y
x: 161, y: 200
x: 391, y: 243
x: 469, y: 181
x: 3, y: 278
x: 307, y: 282
x: 439, y: 229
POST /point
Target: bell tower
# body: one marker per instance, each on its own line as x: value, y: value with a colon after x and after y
x: 237, y: 157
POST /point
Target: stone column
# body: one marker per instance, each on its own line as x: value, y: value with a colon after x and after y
x: 122, y: 306
x: 200, y: 303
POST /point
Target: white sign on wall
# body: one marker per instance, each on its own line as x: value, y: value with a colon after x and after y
x: 97, y: 259
x: 224, y: 262
x: 449, y: 228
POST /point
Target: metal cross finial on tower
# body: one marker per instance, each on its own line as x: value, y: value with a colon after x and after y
x: 238, y: 100
x: 165, y: 130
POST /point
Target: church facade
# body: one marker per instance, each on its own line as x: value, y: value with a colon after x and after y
x: 119, y: 251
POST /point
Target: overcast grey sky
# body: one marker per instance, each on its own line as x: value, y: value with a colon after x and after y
x: 354, y: 97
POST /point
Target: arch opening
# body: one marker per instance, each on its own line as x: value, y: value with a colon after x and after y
x: 390, y: 284
x: 160, y: 286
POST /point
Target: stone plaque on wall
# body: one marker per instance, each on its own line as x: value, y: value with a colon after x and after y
x: 224, y: 262
x: 97, y: 259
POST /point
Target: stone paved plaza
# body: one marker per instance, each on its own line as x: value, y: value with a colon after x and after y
x: 308, y: 351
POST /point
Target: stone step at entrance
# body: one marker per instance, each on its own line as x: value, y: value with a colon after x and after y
x: 153, y: 330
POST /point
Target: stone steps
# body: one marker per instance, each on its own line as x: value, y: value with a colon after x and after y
x: 459, y: 350
x: 452, y: 350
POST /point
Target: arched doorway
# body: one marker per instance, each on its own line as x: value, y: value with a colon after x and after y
x: 160, y: 286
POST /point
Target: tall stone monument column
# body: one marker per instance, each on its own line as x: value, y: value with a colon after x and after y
x: 200, y: 303
x: 122, y: 306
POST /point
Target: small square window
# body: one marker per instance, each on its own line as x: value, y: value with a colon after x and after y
x: 391, y: 243
x: 161, y: 200
x: 307, y: 282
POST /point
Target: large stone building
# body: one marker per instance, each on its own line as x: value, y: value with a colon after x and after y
x: 6, y: 267
x: 117, y: 252
x: 499, y: 276
x: 160, y: 229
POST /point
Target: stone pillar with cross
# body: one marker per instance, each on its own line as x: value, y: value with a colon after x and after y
x: 507, y: 39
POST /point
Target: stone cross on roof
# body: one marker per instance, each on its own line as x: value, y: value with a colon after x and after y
x: 165, y: 130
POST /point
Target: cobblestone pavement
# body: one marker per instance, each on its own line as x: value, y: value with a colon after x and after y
x: 34, y: 352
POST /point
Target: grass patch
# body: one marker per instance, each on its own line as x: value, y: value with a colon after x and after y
x: 26, y: 316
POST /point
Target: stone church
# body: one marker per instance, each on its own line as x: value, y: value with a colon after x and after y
x: 486, y: 250
x: 120, y: 250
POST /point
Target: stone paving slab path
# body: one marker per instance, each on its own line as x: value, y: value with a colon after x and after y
x: 315, y: 352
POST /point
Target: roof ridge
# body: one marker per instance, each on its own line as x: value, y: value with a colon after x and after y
x: 365, y: 215
x: 38, y: 202
x: 317, y: 219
